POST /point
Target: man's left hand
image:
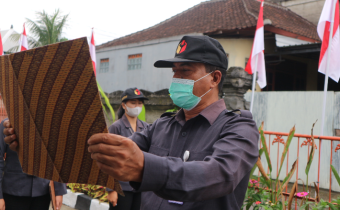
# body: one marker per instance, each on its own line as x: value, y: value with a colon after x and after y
x: 117, y: 156
x: 58, y: 202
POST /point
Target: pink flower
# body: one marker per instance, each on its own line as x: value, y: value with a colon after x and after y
x: 302, y: 194
x: 258, y: 202
x: 253, y: 181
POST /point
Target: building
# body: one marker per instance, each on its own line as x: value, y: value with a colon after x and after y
x: 309, y: 9
x: 7, y: 42
x: 291, y: 46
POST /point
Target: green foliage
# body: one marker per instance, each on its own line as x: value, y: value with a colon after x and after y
x: 287, y: 144
x: 47, y: 29
x: 175, y: 109
x: 321, y: 205
x: 107, y: 103
x: 265, y: 148
x: 94, y: 191
x: 258, y: 197
x: 255, y: 166
x: 141, y: 116
x: 337, y: 177
x: 286, y: 180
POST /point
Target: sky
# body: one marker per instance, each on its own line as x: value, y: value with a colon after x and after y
x: 110, y: 19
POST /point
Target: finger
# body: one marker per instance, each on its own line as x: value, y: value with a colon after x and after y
x: 105, y: 138
x: 7, y: 124
x: 105, y: 159
x: 13, y: 146
x: 9, y: 139
x: 8, y: 131
x: 103, y: 149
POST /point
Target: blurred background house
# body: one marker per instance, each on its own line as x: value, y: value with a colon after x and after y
x: 8, y: 43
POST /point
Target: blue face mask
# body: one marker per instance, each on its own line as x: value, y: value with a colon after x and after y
x: 182, y: 95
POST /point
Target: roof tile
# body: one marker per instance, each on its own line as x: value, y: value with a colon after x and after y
x: 221, y: 15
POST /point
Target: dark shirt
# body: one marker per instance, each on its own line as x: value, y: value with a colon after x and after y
x: 223, y: 148
x: 14, y: 181
x: 122, y: 127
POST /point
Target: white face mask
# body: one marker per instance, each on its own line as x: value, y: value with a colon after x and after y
x: 133, y: 112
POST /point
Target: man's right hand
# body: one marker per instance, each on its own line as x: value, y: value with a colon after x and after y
x: 112, y: 197
x: 2, y: 204
x: 11, y: 138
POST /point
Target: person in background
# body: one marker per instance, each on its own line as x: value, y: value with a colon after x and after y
x: 126, y: 125
x: 20, y: 191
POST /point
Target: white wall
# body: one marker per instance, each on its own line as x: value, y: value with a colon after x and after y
x: 151, y: 78
x: 280, y: 111
x: 148, y: 77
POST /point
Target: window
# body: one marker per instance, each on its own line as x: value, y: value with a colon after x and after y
x: 104, y: 65
x: 135, y: 61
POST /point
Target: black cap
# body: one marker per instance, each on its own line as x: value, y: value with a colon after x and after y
x: 132, y: 93
x: 197, y: 49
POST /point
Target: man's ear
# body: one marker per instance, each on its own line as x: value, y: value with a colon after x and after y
x: 217, y: 76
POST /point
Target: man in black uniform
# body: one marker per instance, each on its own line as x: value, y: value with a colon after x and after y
x: 199, y: 158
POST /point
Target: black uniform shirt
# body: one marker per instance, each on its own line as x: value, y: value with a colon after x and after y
x: 14, y: 181
x: 223, y: 148
x: 122, y: 127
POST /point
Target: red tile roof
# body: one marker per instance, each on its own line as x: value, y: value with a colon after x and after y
x: 223, y: 15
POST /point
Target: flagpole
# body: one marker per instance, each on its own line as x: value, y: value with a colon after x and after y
x: 254, y: 84
x: 326, y: 84
x: 327, y: 70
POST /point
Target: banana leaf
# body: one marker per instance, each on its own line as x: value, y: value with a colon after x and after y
x: 141, y: 116
x: 311, y: 155
x: 264, y: 146
x: 107, y: 102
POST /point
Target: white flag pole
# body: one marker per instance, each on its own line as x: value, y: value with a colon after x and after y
x: 254, y: 84
x: 326, y: 85
x: 327, y: 69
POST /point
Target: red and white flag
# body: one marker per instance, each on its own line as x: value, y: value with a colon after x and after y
x: 324, y: 30
x: 93, y: 53
x: 23, y: 40
x: 258, y: 50
x: 1, y: 47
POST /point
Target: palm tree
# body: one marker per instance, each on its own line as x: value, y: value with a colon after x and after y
x: 48, y: 29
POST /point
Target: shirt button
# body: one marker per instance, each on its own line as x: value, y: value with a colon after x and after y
x: 184, y: 134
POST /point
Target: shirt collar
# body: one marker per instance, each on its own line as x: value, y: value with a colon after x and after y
x: 210, y: 113
x: 127, y: 123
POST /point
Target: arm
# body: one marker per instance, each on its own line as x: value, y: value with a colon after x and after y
x: 60, y: 188
x: 3, y: 148
x: 235, y: 153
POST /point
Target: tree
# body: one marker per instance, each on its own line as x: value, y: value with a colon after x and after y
x: 48, y: 29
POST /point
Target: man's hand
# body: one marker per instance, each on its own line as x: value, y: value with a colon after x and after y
x: 2, y: 204
x: 58, y: 202
x: 117, y: 156
x: 11, y: 138
x: 113, y: 198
